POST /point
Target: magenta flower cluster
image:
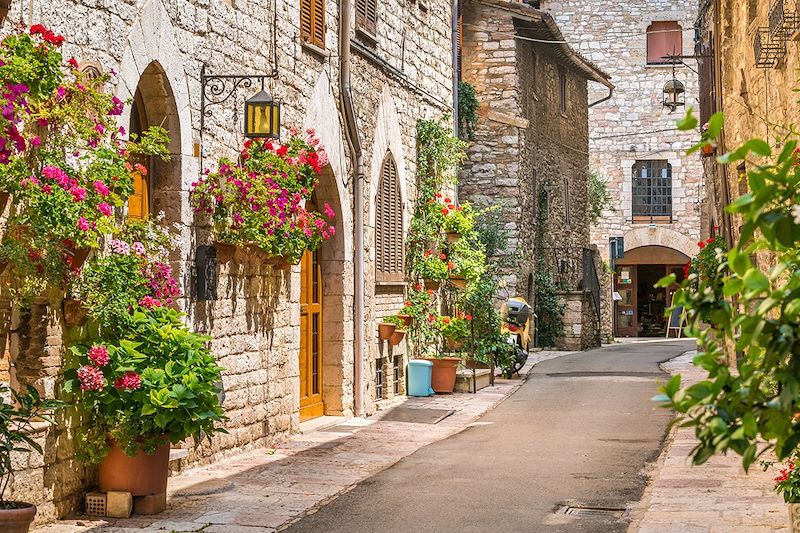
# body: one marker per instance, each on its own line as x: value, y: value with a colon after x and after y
x: 128, y: 381
x: 91, y: 378
x: 98, y: 355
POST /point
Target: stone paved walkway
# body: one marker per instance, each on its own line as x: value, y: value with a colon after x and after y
x: 262, y: 491
x: 716, y: 497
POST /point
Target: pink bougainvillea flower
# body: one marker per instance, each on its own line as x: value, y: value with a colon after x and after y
x: 117, y: 107
x: 101, y: 188
x: 99, y: 128
x: 328, y: 211
x: 83, y: 224
x: 98, y: 355
x: 91, y: 378
x: 149, y: 302
x: 128, y: 381
x: 78, y: 194
x: 105, y: 209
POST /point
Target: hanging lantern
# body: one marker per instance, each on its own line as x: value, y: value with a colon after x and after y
x: 674, y: 94
x: 262, y: 116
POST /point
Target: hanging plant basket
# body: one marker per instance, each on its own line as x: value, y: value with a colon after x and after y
x: 407, y: 319
x: 453, y: 345
x: 458, y: 282
x: 397, y: 337
x: 385, y: 331
x: 432, y: 285
x: 75, y: 314
x: 452, y: 237
x: 79, y: 256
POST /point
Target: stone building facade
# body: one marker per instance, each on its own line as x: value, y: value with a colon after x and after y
x: 656, y: 189
x: 401, y: 71
x: 530, y: 147
x: 755, y: 92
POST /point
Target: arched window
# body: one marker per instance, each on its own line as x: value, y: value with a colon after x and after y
x: 139, y: 201
x: 664, y: 39
x: 389, y: 225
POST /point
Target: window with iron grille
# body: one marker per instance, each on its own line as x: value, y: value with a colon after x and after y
x: 652, y: 192
x: 379, y: 379
x: 562, y: 91
x: 367, y: 17
x: 312, y: 22
x: 396, y: 373
x: 567, y: 202
x: 389, y: 225
x: 664, y: 38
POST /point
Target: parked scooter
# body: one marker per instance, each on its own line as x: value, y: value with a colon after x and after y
x: 517, y: 323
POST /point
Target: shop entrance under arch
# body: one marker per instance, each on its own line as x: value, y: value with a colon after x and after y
x: 639, y: 307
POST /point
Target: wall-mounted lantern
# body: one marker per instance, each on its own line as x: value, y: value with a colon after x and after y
x: 674, y: 94
x: 205, y: 267
x: 262, y: 116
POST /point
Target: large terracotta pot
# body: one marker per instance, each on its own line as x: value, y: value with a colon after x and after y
x: 443, y: 373
x: 17, y: 520
x: 140, y: 475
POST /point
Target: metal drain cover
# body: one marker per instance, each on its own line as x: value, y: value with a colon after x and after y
x: 591, y: 512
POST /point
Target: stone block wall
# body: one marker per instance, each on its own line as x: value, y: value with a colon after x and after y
x: 634, y: 125
x: 160, y: 47
x: 580, y: 321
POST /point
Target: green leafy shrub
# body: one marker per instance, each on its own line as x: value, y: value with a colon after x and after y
x: 549, y: 310
x: 157, y: 379
x: 467, y: 109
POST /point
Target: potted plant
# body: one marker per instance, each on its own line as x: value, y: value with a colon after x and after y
x: 399, y: 332
x: 787, y: 484
x: 468, y: 263
x: 153, y: 385
x: 455, y: 331
x: 433, y: 269
x: 458, y: 221
x: 404, y: 315
x: 16, y: 424
x: 385, y: 330
x: 443, y: 373
x: 261, y: 199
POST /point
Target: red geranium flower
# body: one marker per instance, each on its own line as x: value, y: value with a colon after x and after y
x: 450, y: 265
x: 701, y: 244
x: 445, y: 211
x: 442, y: 256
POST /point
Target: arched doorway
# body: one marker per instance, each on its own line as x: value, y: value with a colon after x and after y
x: 639, y: 306
x: 158, y: 188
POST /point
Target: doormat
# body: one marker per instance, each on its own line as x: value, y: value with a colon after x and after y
x: 414, y: 415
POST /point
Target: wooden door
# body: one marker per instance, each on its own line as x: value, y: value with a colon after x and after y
x: 626, y: 314
x: 139, y: 201
x: 311, y: 405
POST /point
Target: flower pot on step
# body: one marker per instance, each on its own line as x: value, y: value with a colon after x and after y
x: 140, y: 475
x: 385, y: 331
x: 443, y: 373
x: 74, y: 313
x: 16, y: 517
x: 407, y: 320
x: 397, y: 337
x: 79, y: 256
x: 794, y: 517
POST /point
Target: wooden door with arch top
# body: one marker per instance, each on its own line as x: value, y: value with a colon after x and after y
x: 311, y: 340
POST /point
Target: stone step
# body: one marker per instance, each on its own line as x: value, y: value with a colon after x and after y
x: 464, y: 377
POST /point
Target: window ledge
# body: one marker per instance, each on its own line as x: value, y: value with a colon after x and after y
x: 368, y: 38
x: 664, y: 65
x: 390, y: 283
x: 316, y: 50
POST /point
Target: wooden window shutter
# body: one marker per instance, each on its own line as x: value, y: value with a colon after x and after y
x: 389, y: 225
x: 663, y: 39
x: 312, y: 22
x: 367, y: 16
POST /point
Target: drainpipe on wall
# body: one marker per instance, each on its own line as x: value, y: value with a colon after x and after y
x: 454, y: 45
x: 354, y: 142
x: 606, y: 99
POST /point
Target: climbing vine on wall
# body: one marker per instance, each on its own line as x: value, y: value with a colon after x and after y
x: 549, y: 308
x: 467, y: 110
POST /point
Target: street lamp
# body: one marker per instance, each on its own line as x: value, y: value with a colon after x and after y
x: 262, y: 116
x: 674, y: 94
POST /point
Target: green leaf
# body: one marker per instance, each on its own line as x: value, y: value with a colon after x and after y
x: 715, y: 124
x: 759, y: 147
x: 688, y: 122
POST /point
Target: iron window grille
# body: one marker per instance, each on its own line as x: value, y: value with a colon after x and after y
x: 782, y: 22
x: 652, y: 192
x: 396, y: 373
x: 768, y: 52
x: 379, y: 379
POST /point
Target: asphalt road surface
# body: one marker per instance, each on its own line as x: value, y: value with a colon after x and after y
x: 577, y: 433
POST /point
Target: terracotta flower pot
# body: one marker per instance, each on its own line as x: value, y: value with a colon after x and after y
x: 79, y: 256
x: 17, y: 520
x: 385, y: 330
x: 4, y: 196
x: 794, y: 517
x: 407, y: 319
x: 397, y: 337
x: 432, y: 285
x: 3, y: 266
x: 140, y: 475
x: 708, y: 150
x: 458, y: 282
x: 74, y: 313
x: 452, y: 237
x: 453, y: 345
x: 443, y: 373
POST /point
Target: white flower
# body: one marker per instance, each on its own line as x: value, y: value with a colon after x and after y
x: 796, y: 213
